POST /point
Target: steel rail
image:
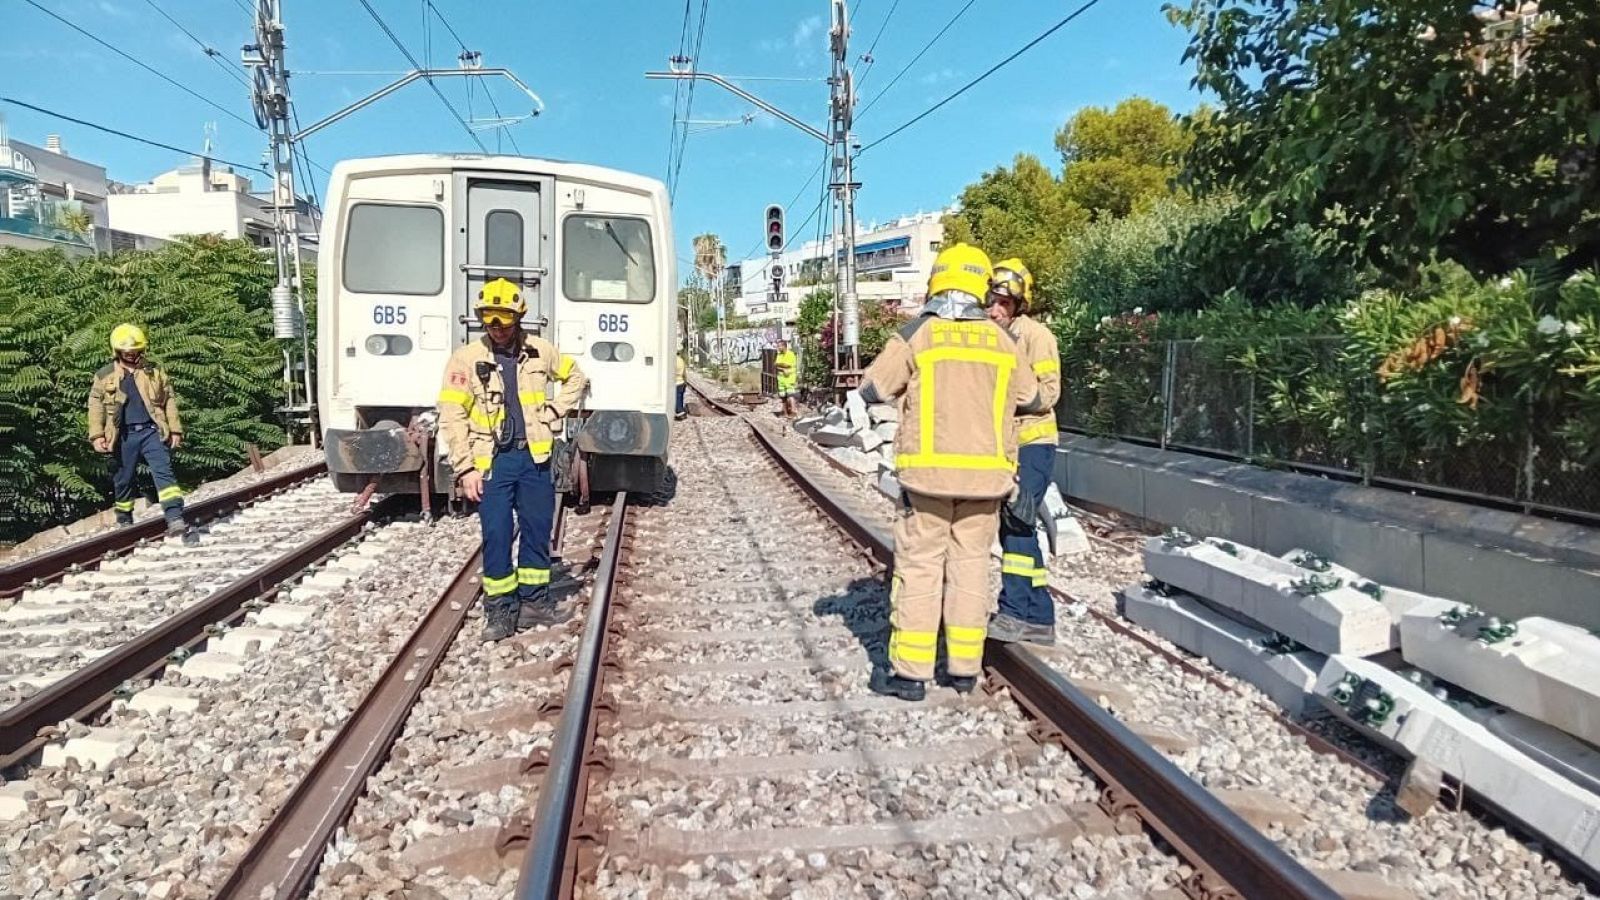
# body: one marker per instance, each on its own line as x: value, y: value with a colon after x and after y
x: 1229, y: 856
x: 549, y: 867
x: 52, y: 564
x: 283, y: 859
x: 89, y: 689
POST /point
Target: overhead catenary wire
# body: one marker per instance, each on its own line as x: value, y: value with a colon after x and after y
x: 141, y: 63
x: 399, y: 45
x: 870, y: 59
x: 123, y: 134
x: 677, y: 91
x: 506, y: 129
x: 990, y: 71
x: 920, y: 53
x: 688, y: 105
x: 211, y: 52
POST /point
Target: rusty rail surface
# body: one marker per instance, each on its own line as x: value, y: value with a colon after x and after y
x: 89, y: 689
x: 1230, y: 858
x: 282, y: 861
x: 549, y: 868
x: 52, y: 564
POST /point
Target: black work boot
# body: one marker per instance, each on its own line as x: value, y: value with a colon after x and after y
x: 543, y: 612
x: 892, y: 685
x: 499, y: 618
x: 963, y: 684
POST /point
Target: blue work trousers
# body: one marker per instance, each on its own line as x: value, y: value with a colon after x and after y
x: 681, y: 410
x: 518, y: 498
x: 1024, y: 580
x: 134, y: 444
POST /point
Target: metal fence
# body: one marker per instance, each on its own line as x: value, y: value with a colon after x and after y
x: 1293, y: 403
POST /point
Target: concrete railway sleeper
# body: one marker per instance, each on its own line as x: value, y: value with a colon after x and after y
x: 160, y: 793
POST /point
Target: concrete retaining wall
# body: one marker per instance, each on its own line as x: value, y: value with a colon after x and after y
x: 1510, y: 564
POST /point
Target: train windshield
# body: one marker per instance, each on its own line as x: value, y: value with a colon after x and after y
x: 607, y: 259
x: 391, y: 249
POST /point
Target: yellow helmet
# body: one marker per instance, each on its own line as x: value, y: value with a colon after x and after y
x: 1012, y: 279
x: 500, y: 295
x: 963, y: 268
x: 128, y: 337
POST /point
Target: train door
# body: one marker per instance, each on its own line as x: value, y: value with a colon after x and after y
x: 503, y: 236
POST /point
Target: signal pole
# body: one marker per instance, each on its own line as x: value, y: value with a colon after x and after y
x: 270, y: 100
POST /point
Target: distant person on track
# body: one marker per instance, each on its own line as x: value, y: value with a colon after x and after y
x: 953, y: 475
x: 501, y: 394
x: 1026, y: 611
x: 682, y: 410
x: 788, y: 378
x: 133, y: 415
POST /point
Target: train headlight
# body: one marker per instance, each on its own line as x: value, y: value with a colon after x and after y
x: 388, y: 344
x: 612, y: 351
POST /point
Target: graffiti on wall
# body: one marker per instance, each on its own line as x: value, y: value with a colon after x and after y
x: 740, y: 346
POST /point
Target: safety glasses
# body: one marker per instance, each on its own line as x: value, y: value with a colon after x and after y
x: 496, y: 317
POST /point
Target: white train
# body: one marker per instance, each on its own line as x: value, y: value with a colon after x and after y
x: 407, y: 241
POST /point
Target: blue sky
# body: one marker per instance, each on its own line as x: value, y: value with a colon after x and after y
x: 587, y: 59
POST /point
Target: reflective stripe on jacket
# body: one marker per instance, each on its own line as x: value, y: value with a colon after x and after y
x: 472, y: 400
x: 1037, y: 347
x: 960, y: 384
x: 106, y: 400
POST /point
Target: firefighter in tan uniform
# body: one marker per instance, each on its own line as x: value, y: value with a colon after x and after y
x: 1026, y: 611
x: 960, y: 384
x: 501, y: 396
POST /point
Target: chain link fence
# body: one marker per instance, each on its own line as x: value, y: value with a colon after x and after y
x: 1293, y: 403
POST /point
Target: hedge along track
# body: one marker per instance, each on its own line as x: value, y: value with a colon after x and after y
x: 628, y: 823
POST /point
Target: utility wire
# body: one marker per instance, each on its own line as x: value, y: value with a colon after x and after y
x: 677, y: 92
x: 688, y: 103
x: 874, y: 45
x: 487, y: 93
x: 210, y: 51
x: 123, y: 134
x: 141, y: 64
x: 925, y: 48
x: 415, y: 65
x: 992, y: 69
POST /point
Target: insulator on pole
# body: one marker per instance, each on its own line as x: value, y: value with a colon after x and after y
x: 287, y: 323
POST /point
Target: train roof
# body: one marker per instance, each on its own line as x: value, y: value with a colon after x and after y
x: 433, y: 162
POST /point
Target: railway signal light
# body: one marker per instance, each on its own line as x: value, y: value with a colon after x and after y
x: 775, y: 228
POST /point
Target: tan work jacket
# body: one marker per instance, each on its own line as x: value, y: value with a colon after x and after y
x: 472, y: 401
x: 1037, y: 347
x: 960, y: 384
x: 106, y: 400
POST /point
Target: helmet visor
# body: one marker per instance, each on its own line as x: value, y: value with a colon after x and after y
x: 1007, y: 283
x: 497, y: 316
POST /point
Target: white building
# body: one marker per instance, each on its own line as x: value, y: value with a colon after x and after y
x: 892, y: 264
x: 50, y: 200
x: 200, y: 198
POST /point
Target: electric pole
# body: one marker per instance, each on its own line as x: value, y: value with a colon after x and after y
x: 270, y: 100
x: 842, y: 159
x: 841, y: 152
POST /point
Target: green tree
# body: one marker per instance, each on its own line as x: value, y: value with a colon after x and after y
x: 1022, y: 210
x: 1407, y: 129
x: 1122, y: 160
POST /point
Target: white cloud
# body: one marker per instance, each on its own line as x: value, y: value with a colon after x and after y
x: 806, y: 29
x: 938, y: 75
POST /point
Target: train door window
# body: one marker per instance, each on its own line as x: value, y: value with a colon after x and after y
x: 607, y: 259
x: 502, y: 238
x: 391, y: 249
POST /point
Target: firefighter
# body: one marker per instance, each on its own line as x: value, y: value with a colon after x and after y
x: 133, y: 415
x: 788, y: 377
x: 956, y: 458
x: 1026, y: 612
x: 681, y: 411
x: 501, y: 397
